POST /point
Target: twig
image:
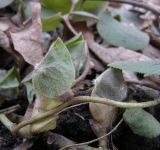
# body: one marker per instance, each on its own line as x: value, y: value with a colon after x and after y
x: 66, y: 17
x: 69, y: 25
x: 88, y: 67
x: 84, y: 99
x: 10, y: 109
x: 89, y: 142
x: 138, y: 4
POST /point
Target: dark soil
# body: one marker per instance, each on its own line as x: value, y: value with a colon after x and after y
x: 74, y: 125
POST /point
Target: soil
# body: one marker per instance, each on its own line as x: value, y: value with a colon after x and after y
x: 74, y: 124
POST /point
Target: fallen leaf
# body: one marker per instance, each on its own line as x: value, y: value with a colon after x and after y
x: 5, y: 24
x: 27, y: 40
x: 152, y: 52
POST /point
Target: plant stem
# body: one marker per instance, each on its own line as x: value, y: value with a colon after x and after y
x: 83, y: 99
x: 6, y: 110
x: 5, y: 121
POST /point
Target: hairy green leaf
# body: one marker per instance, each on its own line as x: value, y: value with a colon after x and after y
x: 142, y: 123
x: 119, y: 34
x: 78, y: 49
x: 146, y: 67
x: 55, y: 74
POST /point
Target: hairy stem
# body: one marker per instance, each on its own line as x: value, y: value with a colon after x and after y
x: 6, y: 122
x: 84, y: 99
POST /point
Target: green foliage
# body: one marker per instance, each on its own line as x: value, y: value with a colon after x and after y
x: 92, y: 6
x: 142, y: 123
x: 9, y: 83
x: 119, y: 34
x: 50, y: 20
x: 62, y: 6
x: 55, y: 73
x: 27, y: 81
x: 146, y: 67
x: 78, y: 50
x: 5, y: 3
x: 82, y: 16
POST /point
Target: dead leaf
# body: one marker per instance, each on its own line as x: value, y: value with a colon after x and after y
x: 5, y: 24
x: 152, y: 52
x: 27, y: 40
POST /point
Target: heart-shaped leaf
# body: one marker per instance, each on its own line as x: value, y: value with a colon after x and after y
x: 55, y: 74
x: 146, y: 67
x: 142, y: 123
x: 119, y: 34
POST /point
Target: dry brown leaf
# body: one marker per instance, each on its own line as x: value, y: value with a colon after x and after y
x: 5, y: 24
x: 152, y: 52
x: 27, y: 40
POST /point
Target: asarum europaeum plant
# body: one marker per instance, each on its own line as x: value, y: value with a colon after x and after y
x: 53, y: 77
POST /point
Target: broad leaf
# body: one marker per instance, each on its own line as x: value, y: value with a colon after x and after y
x: 93, y: 6
x: 128, y: 17
x: 119, y: 34
x: 110, y: 84
x: 142, y: 123
x: 147, y: 67
x: 9, y: 82
x: 55, y: 74
x: 78, y: 50
x: 57, y: 5
x: 50, y: 19
x: 5, y: 3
